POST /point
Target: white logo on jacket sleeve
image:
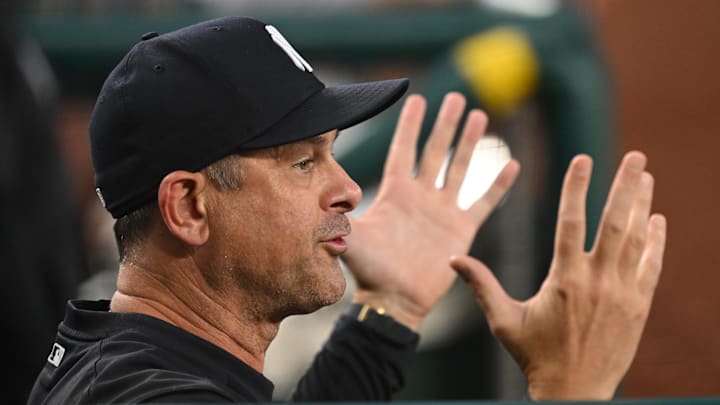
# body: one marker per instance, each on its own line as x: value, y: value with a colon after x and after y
x: 56, y: 355
x: 289, y: 50
x: 100, y: 196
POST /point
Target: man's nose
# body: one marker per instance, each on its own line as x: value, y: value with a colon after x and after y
x: 344, y: 193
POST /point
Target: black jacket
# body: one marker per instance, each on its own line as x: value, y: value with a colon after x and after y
x: 101, y: 357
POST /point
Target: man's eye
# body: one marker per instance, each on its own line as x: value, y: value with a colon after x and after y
x: 304, y: 165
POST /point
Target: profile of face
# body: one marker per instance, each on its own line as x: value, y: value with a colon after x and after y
x: 278, y: 238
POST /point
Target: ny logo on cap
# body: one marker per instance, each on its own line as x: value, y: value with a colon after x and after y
x: 289, y: 50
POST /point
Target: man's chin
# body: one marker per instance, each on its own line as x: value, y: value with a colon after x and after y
x: 324, y: 297
x: 337, y: 296
x: 331, y: 294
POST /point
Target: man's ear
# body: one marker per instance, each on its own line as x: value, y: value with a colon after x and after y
x: 182, y: 200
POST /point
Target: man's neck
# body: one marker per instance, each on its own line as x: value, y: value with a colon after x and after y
x: 195, y: 308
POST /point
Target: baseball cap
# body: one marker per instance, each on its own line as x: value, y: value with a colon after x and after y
x: 187, y: 98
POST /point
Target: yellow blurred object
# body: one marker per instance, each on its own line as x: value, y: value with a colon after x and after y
x: 500, y: 67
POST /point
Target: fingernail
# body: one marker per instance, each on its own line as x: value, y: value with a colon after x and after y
x: 636, y: 162
x: 583, y: 167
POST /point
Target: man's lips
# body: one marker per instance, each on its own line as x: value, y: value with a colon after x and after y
x: 335, y: 244
x: 332, y: 232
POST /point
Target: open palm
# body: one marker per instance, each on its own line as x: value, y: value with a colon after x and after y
x: 400, y: 247
x: 577, y: 336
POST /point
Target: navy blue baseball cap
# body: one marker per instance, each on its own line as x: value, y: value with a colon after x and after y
x: 188, y: 98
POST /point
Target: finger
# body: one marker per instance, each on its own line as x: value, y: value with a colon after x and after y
x: 570, y: 228
x: 614, y: 221
x: 492, y: 298
x: 650, y: 265
x: 401, y: 155
x: 638, y: 228
x: 436, y: 147
x: 473, y: 131
x: 482, y: 208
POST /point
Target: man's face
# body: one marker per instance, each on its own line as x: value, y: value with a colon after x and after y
x: 278, y: 238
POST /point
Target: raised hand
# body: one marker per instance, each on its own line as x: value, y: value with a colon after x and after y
x: 400, y: 247
x: 576, y: 338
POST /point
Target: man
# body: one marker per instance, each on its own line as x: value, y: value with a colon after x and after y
x: 212, y: 147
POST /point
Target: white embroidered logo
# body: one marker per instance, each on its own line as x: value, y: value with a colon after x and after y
x: 56, y: 355
x: 289, y: 50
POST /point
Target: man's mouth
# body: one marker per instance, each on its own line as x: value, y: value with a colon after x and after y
x: 335, y: 245
x: 332, y: 233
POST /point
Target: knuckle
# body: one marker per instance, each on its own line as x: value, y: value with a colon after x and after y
x: 568, y: 288
x: 564, y: 249
x: 603, y: 290
x: 606, y: 289
x: 599, y: 294
x: 572, y: 223
x: 635, y: 306
x: 614, y: 227
x: 636, y: 241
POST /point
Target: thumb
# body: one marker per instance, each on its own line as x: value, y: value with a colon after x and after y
x: 492, y: 298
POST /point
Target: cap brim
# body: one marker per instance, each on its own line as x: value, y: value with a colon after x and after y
x: 336, y: 107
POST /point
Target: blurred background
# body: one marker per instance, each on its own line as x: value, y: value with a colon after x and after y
x: 556, y: 77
